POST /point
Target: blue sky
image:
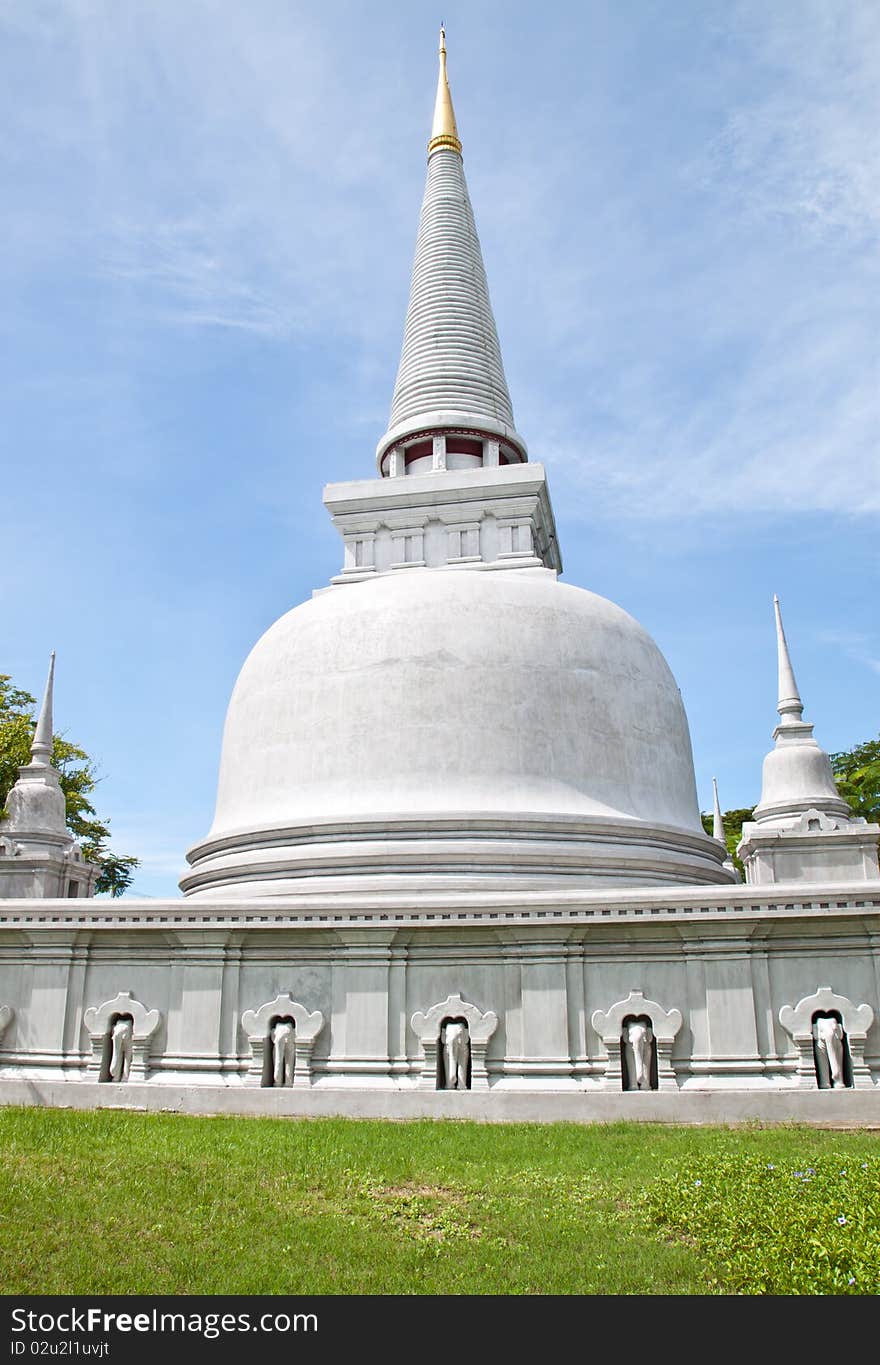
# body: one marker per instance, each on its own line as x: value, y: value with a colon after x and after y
x: 209, y: 218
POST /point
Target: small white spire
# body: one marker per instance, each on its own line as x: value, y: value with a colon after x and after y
x: 797, y: 773
x: 41, y: 748
x: 717, y: 822
x: 36, y: 806
x: 789, y: 704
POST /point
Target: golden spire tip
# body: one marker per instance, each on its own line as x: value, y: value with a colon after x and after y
x: 443, y: 130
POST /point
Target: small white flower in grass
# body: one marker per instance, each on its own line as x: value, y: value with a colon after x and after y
x: 770, y: 1166
x: 851, y: 1280
x: 841, y: 1218
x: 698, y: 1182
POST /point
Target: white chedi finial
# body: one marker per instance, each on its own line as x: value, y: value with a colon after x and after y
x: 797, y: 774
x: 717, y: 821
x: 35, y: 805
x: 802, y: 829
x: 789, y: 703
x: 41, y: 747
x: 718, y: 831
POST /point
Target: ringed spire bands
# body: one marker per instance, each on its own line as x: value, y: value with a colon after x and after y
x: 451, y: 394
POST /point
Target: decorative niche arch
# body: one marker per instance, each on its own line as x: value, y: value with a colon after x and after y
x: 797, y: 1020
x: 426, y: 1025
x: 99, y: 1020
x: 665, y: 1024
x: 257, y: 1025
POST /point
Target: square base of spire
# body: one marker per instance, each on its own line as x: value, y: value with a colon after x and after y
x: 811, y: 847
x: 498, y: 518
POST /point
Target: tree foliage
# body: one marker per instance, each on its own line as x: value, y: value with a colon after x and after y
x: 857, y: 774
x: 733, y: 821
x: 78, y: 777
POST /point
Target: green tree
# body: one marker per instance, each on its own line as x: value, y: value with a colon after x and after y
x: 78, y: 777
x: 857, y: 774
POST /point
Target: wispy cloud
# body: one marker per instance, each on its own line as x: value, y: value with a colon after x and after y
x: 208, y: 164
x: 805, y: 149
x: 861, y: 647
x: 708, y: 332
x: 180, y: 278
x: 714, y: 357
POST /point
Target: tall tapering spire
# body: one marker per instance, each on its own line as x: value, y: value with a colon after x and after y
x: 789, y: 706
x: 450, y: 395
x: 41, y: 748
x: 717, y: 821
x: 444, y: 133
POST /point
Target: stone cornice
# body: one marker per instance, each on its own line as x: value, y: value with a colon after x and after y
x: 658, y: 906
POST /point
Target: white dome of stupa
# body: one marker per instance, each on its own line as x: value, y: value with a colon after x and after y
x: 456, y: 724
x: 455, y: 691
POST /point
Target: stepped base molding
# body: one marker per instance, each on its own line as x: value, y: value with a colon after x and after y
x: 821, y: 1109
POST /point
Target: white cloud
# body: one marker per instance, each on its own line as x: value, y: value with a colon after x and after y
x: 207, y: 162
x: 181, y: 278
x: 861, y: 647
x: 806, y: 149
x: 686, y: 336
x: 719, y: 358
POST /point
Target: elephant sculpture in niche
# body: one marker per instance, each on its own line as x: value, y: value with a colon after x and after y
x: 283, y: 1036
x: 276, y: 1053
x: 455, y: 1052
x: 121, y: 1047
x: 638, y: 1048
x: 829, y: 1044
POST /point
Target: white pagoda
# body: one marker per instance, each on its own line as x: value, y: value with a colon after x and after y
x: 457, y: 863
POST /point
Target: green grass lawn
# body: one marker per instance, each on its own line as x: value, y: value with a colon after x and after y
x: 266, y: 1206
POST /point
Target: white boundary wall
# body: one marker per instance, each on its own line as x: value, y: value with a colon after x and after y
x: 728, y: 958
